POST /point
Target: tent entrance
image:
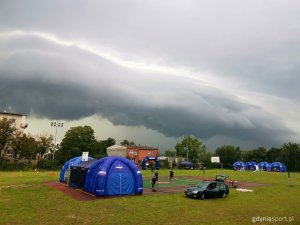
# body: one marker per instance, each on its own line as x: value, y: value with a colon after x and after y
x: 120, y: 180
x: 120, y: 184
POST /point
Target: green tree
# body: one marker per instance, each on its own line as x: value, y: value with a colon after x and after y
x: 206, y: 159
x: 274, y: 155
x: 246, y: 155
x: 170, y: 153
x: 102, y: 146
x: 166, y: 164
x: 290, y: 155
x: 7, y: 132
x: 77, y: 140
x: 191, y: 148
x: 228, y: 155
x: 23, y: 147
x: 127, y: 143
x: 174, y: 164
x: 44, y: 145
x: 259, y: 155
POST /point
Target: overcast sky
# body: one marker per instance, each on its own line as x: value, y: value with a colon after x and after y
x: 226, y: 72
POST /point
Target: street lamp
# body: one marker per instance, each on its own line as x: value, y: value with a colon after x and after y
x: 187, y: 148
x: 56, y: 125
x: 187, y: 153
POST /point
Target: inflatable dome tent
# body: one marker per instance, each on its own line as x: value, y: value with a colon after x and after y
x: 277, y: 167
x: 114, y: 175
x: 157, y: 164
x: 72, y: 162
x: 239, y: 165
x: 78, y: 173
x: 263, y: 166
x: 251, y: 166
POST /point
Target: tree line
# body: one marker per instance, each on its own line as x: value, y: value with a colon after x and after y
x: 195, y: 151
x: 25, y: 147
x: 19, y: 150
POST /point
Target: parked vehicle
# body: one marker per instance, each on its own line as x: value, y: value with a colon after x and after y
x: 209, y: 189
x: 186, y: 165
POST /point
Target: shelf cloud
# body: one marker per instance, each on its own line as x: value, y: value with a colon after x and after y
x: 204, y: 68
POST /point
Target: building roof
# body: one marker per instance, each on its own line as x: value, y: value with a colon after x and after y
x: 116, y: 147
x: 142, y: 147
x: 12, y: 114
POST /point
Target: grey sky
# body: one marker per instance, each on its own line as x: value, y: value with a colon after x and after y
x: 224, y: 71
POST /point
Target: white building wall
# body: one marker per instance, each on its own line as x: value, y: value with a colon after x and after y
x: 19, y: 120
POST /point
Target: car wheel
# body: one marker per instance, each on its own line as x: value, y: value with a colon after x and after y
x: 223, y: 195
x: 202, y: 196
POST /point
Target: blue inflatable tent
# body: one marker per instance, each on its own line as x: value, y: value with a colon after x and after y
x: 72, y: 162
x: 157, y: 164
x: 277, y: 167
x: 251, y: 166
x: 78, y: 173
x: 239, y: 165
x: 263, y: 166
x: 114, y: 175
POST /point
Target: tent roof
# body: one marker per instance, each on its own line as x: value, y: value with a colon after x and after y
x: 101, y: 180
x: 116, y: 147
x: 239, y: 163
x: 263, y: 163
x: 86, y: 164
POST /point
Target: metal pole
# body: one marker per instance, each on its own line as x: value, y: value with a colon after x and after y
x: 187, y: 153
x: 54, y: 142
x: 187, y: 150
x: 222, y: 168
x: 55, y: 124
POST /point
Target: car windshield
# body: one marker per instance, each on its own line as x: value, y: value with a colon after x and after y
x: 202, y: 184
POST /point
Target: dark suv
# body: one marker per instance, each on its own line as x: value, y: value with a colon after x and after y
x: 209, y: 189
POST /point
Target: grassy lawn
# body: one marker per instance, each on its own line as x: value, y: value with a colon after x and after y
x: 25, y: 200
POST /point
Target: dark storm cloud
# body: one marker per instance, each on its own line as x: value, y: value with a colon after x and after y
x: 62, y: 101
x: 196, y: 67
x: 275, y: 72
x: 54, y: 101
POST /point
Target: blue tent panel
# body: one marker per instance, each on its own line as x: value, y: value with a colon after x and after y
x: 250, y: 166
x: 72, y: 162
x: 186, y: 163
x: 277, y: 167
x: 263, y: 166
x: 120, y: 184
x: 238, y: 165
x: 114, y: 175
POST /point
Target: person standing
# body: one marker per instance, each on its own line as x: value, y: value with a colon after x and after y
x: 171, y: 176
x: 156, y: 174
x: 153, y: 181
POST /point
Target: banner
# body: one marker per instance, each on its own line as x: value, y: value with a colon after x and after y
x: 215, y: 159
x: 85, y: 156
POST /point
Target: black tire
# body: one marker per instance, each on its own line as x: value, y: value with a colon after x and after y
x: 202, y: 196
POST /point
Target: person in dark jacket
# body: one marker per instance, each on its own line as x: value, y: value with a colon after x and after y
x: 171, y: 176
x: 153, y: 181
x: 156, y: 174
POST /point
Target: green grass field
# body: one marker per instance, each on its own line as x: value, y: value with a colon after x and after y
x: 25, y: 200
